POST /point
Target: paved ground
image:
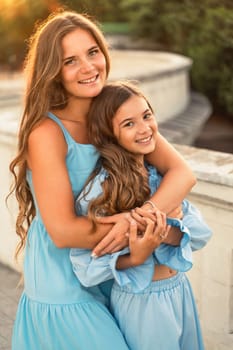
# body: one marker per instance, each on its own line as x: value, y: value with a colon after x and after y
x: 9, y: 296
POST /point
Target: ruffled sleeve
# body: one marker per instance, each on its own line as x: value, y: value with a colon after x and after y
x: 92, y: 271
x: 199, y: 230
x: 93, y: 190
x: 177, y: 257
x: 196, y: 232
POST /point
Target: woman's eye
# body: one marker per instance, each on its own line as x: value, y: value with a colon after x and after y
x: 93, y: 52
x: 69, y: 61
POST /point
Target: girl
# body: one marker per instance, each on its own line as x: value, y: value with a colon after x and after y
x: 67, y: 65
x: 153, y: 304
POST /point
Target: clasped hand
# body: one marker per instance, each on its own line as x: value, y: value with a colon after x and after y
x: 142, y: 230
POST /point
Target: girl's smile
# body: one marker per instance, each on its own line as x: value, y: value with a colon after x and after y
x: 135, y: 127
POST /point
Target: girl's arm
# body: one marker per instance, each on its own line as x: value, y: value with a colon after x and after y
x: 178, y: 178
x: 46, y: 159
x: 133, y: 266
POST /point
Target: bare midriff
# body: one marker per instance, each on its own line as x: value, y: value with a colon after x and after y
x: 162, y: 272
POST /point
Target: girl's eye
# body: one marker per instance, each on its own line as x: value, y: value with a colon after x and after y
x: 147, y: 116
x: 128, y: 124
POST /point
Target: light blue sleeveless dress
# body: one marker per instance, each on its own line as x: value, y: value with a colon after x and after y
x: 55, y: 311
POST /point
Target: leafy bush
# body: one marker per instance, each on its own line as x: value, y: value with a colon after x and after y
x: 202, y: 30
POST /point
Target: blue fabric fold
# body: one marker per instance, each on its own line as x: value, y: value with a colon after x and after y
x: 176, y: 257
x: 93, y: 271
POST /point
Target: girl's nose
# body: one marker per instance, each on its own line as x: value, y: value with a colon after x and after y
x: 143, y: 127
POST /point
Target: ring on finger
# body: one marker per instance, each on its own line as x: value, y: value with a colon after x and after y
x: 162, y: 235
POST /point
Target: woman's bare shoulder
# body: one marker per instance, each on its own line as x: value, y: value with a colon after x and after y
x: 46, y: 131
x: 46, y: 138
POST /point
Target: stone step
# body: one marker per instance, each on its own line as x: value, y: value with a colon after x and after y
x: 185, y: 127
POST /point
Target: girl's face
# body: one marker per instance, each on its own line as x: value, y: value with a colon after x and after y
x: 135, y: 127
x: 84, y: 66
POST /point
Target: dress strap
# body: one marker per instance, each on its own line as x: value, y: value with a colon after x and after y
x: 67, y: 135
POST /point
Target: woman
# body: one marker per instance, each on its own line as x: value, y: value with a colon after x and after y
x: 67, y: 65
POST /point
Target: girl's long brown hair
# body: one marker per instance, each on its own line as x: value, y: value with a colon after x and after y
x: 44, y: 91
x: 126, y: 185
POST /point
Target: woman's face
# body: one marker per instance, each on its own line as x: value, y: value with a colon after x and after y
x: 83, y: 70
x: 135, y: 127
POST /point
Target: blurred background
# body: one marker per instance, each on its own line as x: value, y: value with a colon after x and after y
x: 201, y: 30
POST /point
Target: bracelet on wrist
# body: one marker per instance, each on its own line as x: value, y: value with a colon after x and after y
x: 151, y: 203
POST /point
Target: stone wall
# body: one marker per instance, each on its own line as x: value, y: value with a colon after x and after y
x: 212, y: 274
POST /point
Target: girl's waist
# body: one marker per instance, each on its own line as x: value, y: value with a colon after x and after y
x: 162, y: 272
x: 156, y: 286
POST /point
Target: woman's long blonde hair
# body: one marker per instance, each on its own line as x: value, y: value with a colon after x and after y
x: 126, y: 185
x: 44, y: 92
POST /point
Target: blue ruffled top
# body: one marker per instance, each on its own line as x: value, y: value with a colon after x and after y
x: 92, y: 271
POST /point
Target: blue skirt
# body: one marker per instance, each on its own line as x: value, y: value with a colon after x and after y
x: 161, y: 317
x: 79, y: 326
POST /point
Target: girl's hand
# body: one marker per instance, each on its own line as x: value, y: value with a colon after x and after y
x: 117, y: 238
x: 143, y: 246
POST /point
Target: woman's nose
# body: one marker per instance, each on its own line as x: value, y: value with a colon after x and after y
x: 86, y: 66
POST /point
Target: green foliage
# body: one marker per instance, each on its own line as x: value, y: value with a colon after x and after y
x: 115, y: 28
x: 17, y: 20
x: 103, y: 10
x: 211, y: 47
x: 16, y: 25
x: 202, y: 30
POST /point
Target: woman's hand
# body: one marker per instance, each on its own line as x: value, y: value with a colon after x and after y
x: 117, y: 238
x: 140, y: 215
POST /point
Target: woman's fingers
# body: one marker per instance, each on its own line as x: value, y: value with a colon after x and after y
x: 139, y: 215
x: 112, y: 219
x: 145, y: 213
x: 139, y: 219
x: 115, y: 240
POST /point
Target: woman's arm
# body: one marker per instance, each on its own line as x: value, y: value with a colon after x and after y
x: 47, y: 160
x: 178, y: 178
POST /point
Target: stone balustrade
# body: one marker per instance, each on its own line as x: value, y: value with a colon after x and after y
x: 212, y: 273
